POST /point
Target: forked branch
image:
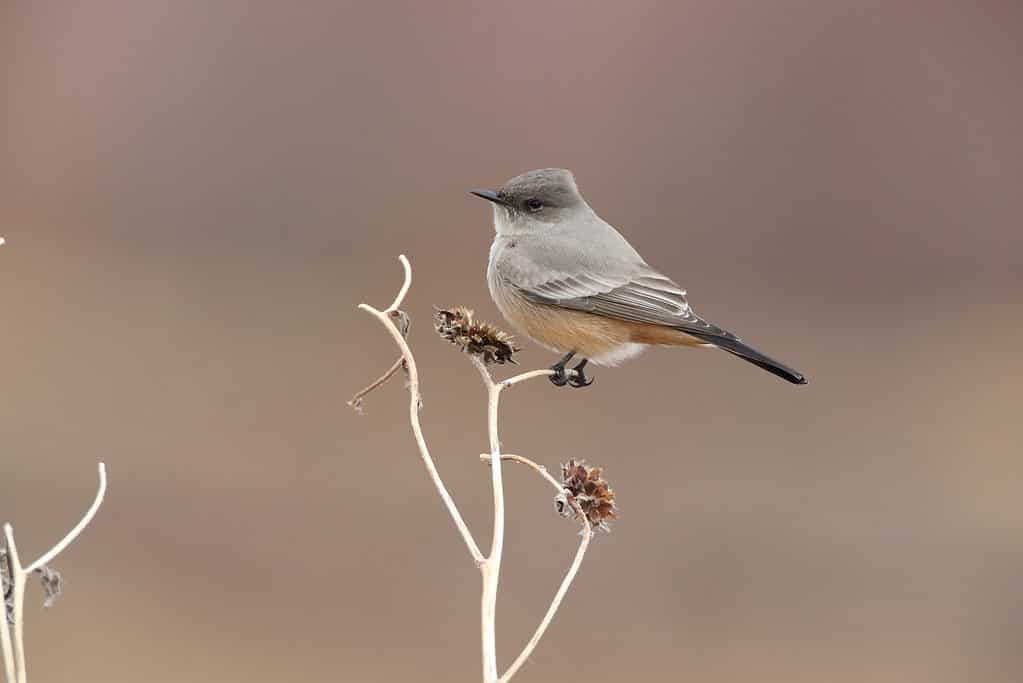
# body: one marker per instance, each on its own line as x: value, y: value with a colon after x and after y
x: 415, y: 402
x: 586, y: 534
x: 16, y: 576
x: 587, y: 497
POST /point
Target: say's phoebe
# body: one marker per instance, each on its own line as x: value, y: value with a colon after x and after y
x: 569, y: 280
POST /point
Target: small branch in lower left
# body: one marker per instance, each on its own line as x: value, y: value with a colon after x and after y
x: 14, y: 579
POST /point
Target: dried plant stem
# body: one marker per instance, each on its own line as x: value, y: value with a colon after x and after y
x: 492, y: 566
x: 48, y: 556
x: 356, y: 400
x: 17, y: 579
x: 584, y: 543
x: 14, y: 666
x: 489, y: 566
x: 538, y: 468
x: 5, y: 642
x: 415, y: 400
x: 577, y: 561
x: 532, y: 374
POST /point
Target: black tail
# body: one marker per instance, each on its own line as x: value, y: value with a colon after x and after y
x: 750, y: 355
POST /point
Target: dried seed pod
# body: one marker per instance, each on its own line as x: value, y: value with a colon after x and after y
x: 591, y: 492
x: 488, y: 343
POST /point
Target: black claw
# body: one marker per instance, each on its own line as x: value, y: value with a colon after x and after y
x: 560, y: 377
x: 579, y: 378
x: 580, y: 381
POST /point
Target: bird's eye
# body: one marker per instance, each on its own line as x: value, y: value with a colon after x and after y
x: 534, y: 204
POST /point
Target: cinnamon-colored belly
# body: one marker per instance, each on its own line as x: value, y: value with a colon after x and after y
x: 589, y: 335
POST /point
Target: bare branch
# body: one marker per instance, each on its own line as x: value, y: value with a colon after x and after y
x: 539, y: 469
x: 73, y: 534
x: 404, y: 286
x: 356, y: 402
x: 5, y: 626
x: 18, y: 586
x: 532, y: 374
x: 587, y: 535
x: 415, y: 400
x: 490, y: 566
x: 14, y: 653
x: 511, y: 381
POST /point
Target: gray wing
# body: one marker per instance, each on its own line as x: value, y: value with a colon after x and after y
x: 624, y: 288
x: 642, y: 296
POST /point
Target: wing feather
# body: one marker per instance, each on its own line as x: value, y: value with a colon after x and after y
x: 644, y: 296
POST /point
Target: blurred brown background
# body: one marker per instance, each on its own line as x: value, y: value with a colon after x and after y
x: 196, y: 196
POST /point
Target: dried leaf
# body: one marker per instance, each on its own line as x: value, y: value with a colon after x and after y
x: 52, y: 585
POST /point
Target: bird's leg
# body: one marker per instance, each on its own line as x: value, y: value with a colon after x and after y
x: 579, y: 378
x: 560, y: 377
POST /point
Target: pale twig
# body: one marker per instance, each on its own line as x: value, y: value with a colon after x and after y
x: 492, y: 567
x: 5, y: 637
x: 18, y: 586
x: 394, y: 312
x: 587, y: 535
x: 356, y: 401
x: 532, y: 374
x: 415, y: 400
x: 406, y: 283
x: 539, y: 469
x: 90, y: 513
x: 20, y: 573
x: 5, y: 629
x: 512, y: 381
x: 493, y: 564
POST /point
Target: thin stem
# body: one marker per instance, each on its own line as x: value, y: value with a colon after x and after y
x: 492, y: 568
x: 415, y: 399
x: 511, y: 381
x: 356, y: 401
x: 493, y: 402
x: 5, y: 627
x: 587, y: 535
x: 8, y: 650
x: 73, y: 534
x: 404, y: 286
x: 18, y: 586
x: 545, y: 372
x: 19, y: 575
x: 538, y: 468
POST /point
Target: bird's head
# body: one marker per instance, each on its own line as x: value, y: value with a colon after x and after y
x: 534, y: 200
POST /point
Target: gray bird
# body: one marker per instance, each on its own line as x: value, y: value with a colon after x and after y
x: 568, y: 280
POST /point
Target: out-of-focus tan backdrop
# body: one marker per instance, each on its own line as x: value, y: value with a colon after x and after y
x: 196, y: 196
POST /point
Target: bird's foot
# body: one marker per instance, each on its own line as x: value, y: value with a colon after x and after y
x: 578, y: 378
x: 574, y: 377
x: 560, y: 378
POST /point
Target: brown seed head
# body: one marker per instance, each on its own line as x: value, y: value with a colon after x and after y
x: 480, y: 339
x: 594, y: 496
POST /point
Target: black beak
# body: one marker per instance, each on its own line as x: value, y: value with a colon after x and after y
x: 489, y: 195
